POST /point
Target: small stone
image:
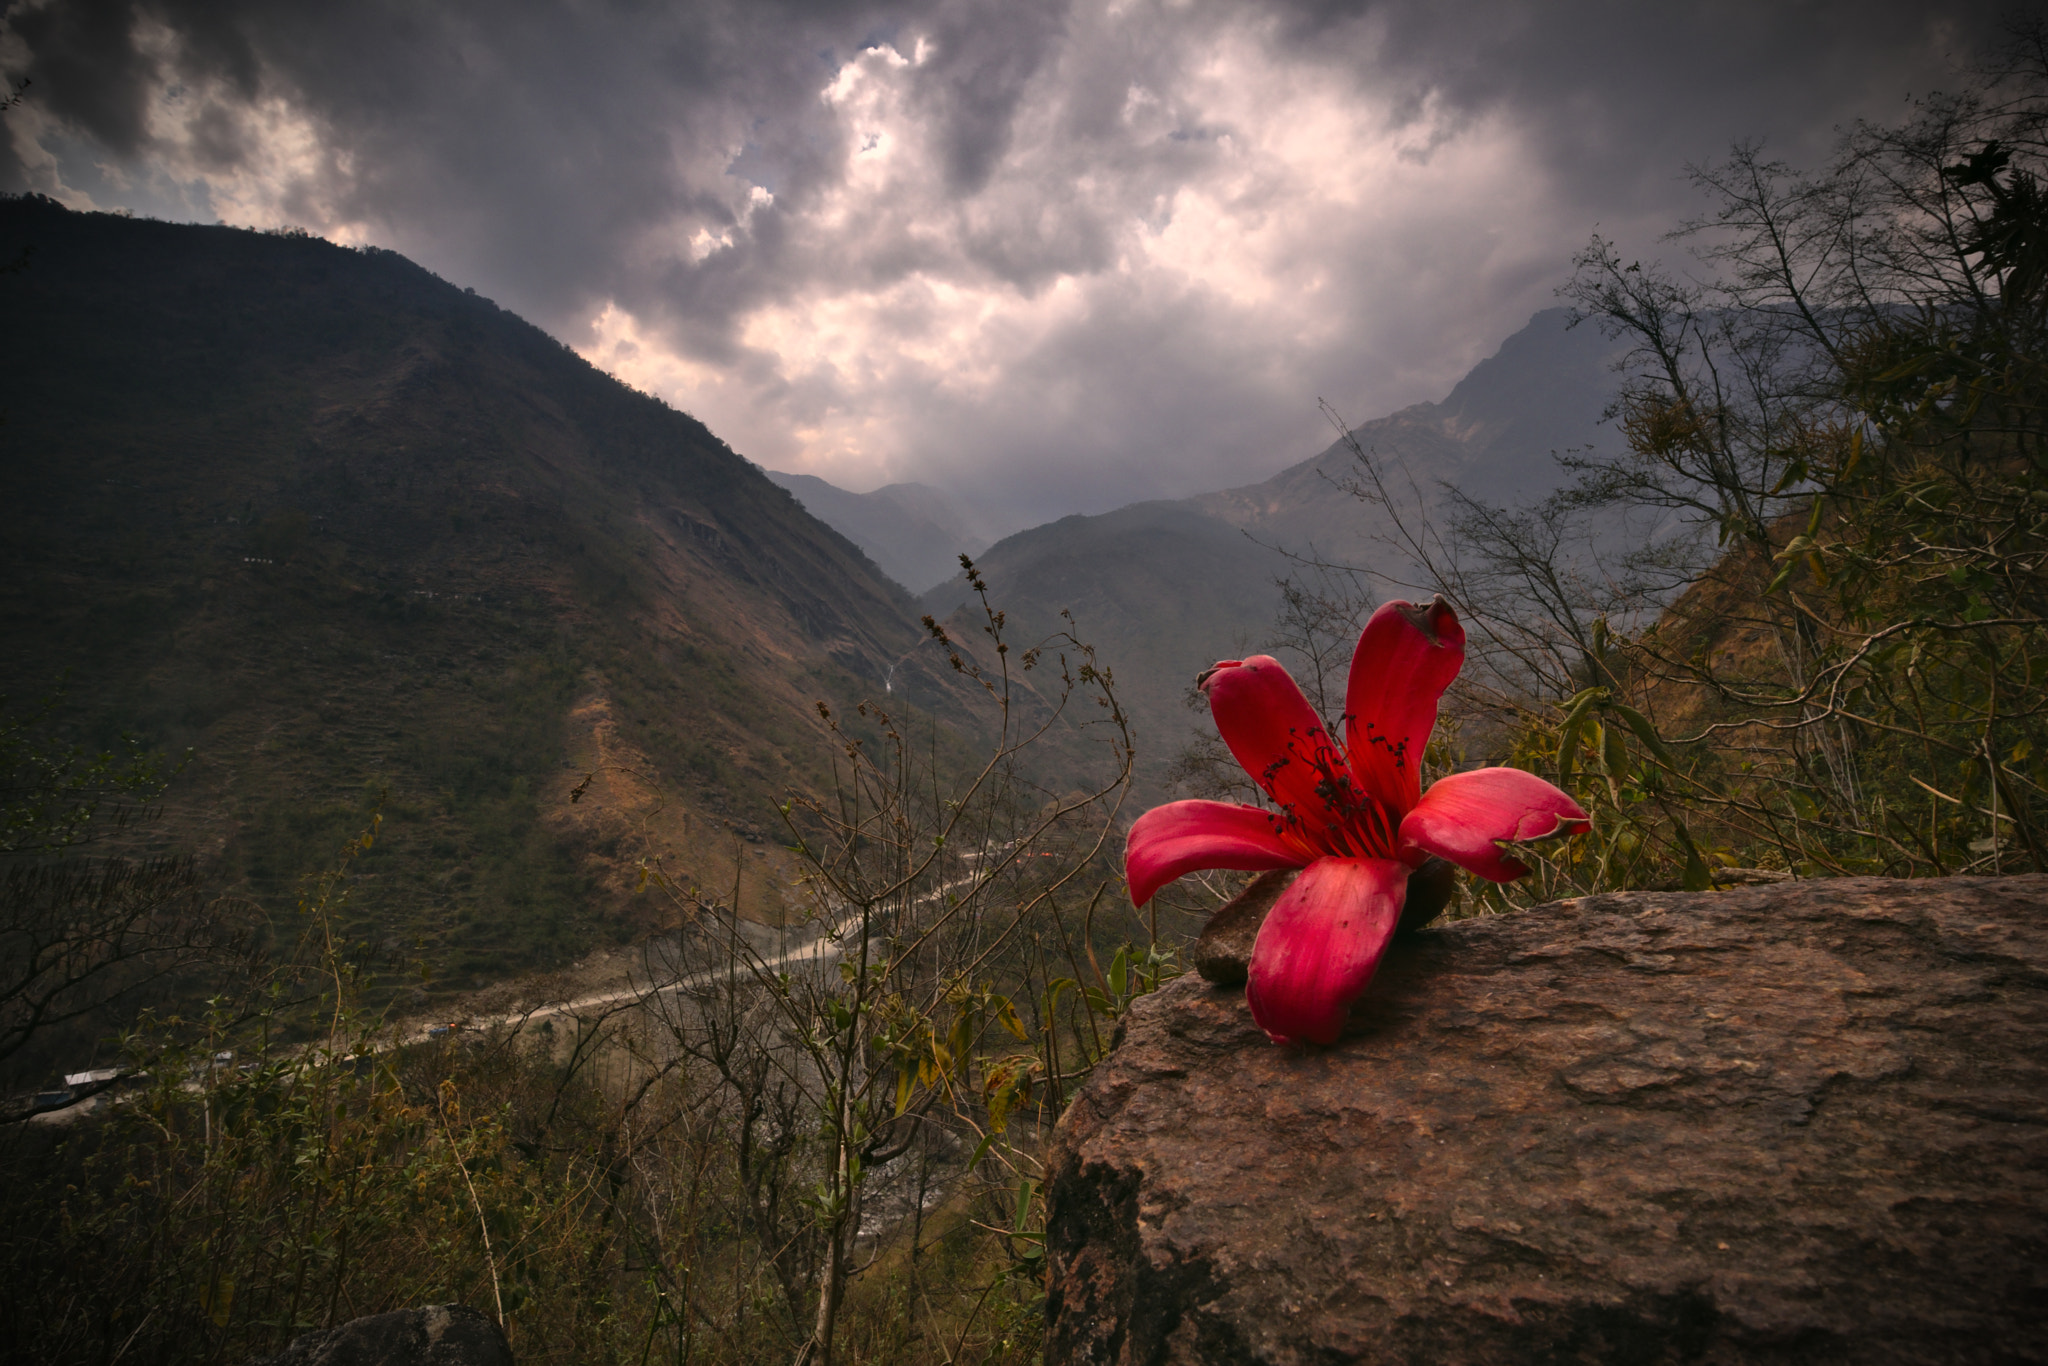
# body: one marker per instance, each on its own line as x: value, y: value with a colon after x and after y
x: 1223, y: 954
x: 433, y: 1335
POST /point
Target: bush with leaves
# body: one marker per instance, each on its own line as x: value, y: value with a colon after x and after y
x: 810, y: 1142
x: 1797, y: 626
x: 953, y: 985
x: 95, y: 924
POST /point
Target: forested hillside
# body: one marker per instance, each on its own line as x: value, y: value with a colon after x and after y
x: 349, y: 533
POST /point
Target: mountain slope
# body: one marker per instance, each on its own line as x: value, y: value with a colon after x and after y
x: 343, y: 528
x: 1167, y: 588
x: 1126, y: 577
x: 1493, y: 435
x: 913, y: 532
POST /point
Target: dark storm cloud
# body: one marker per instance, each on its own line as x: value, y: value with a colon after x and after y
x: 1062, y: 254
x: 987, y: 55
x: 533, y: 143
x: 90, y: 70
x: 1623, y: 92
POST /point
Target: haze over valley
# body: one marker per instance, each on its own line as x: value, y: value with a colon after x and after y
x: 628, y: 675
x: 377, y: 536
x: 1065, y: 291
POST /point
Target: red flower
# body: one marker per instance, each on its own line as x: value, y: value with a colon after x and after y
x: 1354, y: 819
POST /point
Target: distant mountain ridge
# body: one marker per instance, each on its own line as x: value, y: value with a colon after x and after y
x: 346, y: 529
x: 1494, y: 434
x: 1166, y: 588
x: 913, y: 532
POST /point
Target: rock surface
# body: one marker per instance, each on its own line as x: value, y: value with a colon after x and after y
x: 1803, y: 1123
x: 1223, y: 953
x: 435, y: 1335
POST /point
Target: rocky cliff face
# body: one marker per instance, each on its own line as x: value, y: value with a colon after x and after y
x: 1807, y: 1123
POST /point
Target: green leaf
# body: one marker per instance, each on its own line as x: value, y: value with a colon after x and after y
x: 980, y: 1151
x: 1614, y: 753
x: 1794, y: 548
x: 1026, y: 1188
x: 1645, y: 732
x: 1855, y: 454
x: 1794, y: 472
x: 1696, y: 877
x: 217, y: 1298
x: 1575, y: 715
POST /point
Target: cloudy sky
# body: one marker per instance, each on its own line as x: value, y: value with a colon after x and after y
x: 1052, y: 256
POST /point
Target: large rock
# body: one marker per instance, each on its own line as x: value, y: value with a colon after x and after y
x: 1805, y: 1123
x: 436, y: 1335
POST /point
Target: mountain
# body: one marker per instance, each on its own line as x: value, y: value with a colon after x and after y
x: 1159, y: 589
x: 1166, y: 588
x: 1494, y: 435
x: 913, y: 532
x: 344, y: 529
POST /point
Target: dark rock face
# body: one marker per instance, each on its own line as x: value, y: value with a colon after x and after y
x: 1804, y: 1123
x: 1223, y: 954
x: 437, y: 1335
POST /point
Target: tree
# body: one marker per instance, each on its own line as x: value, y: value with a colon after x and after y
x: 1825, y: 644
x: 1852, y: 402
x: 81, y: 931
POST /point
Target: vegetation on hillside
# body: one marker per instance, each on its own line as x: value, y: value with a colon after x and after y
x: 1798, y: 626
x: 99, y: 919
x: 355, y: 536
x: 747, y: 1156
x: 1820, y: 646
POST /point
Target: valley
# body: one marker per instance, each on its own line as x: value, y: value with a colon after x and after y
x: 360, y: 542
x: 1169, y: 587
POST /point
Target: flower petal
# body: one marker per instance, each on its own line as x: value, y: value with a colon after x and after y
x: 1273, y: 731
x: 1463, y: 815
x: 1321, y: 944
x: 1182, y: 837
x: 1406, y: 657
